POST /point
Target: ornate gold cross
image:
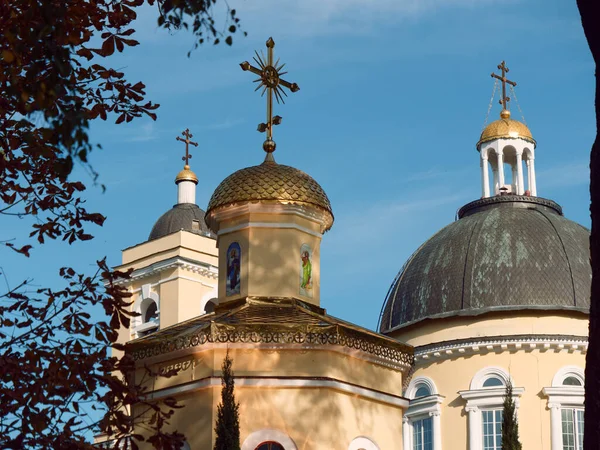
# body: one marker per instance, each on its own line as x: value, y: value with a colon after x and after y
x: 505, y: 99
x: 270, y: 80
x: 187, y: 141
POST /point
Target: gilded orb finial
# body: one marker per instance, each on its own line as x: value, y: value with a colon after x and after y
x: 505, y: 99
x: 270, y: 80
x: 505, y: 114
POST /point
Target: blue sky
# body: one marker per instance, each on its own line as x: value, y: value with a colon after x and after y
x: 393, y: 97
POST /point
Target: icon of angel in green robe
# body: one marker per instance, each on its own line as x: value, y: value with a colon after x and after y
x: 306, y: 271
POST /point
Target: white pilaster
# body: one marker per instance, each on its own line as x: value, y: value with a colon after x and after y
x: 520, y: 181
x: 406, y: 430
x: 555, y: 426
x: 186, y: 192
x: 475, y: 439
x: 485, y: 191
x: 437, y: 430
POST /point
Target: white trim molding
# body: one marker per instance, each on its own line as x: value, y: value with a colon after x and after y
x: 268, y: 434
x: 467, y: 347
x: 272, y: 382
x: 306, y: 211
x: 276, y: 225
x: 362, y: 443
x: 199, y: 267
x: 480, y: 398
x: 422, y: 408
x: 561, y: 397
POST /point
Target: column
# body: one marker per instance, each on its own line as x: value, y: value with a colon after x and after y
x: 520, y: 181
x: 485, y: 191
x: 532, y: 182
x: 500, y: 169
x: 495, y: 174
x: 406, y: 429
x: 555, y: 427
x: 475, y: 436
x: 437, y: 429
x: 514, y: 188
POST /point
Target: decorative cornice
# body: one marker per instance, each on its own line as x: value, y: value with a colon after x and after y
x: 302, y: 338
x: 204, y: 269
x: 452, y: 349
x: 488, y: 201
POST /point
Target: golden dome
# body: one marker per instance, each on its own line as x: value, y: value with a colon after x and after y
x: 186, y: 175
x: 505, y: 128
x: 267, y: 182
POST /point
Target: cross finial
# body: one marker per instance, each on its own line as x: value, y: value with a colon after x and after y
x: 187, y: 141
x: 505, y: 99
x: 270, y: 80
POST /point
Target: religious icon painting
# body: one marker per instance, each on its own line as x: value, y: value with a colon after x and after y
x: 234, y: 258
x: 306, y: 282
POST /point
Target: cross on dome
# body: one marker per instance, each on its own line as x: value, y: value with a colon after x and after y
x: 187, y: 141
x: 270, y: 80
x: 505, y: 98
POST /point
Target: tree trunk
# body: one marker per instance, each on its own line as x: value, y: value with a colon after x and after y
x: 589, y: 19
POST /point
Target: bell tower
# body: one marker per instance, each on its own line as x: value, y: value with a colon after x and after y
x: 507, y: 142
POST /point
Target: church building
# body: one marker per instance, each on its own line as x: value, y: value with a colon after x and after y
x: 500, y: 295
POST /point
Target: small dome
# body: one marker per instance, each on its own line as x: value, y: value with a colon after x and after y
x: 505, y: 128
x: 186, y: 175
x: 270, y: 181
x: 183, y: 216
x: 504, y: 253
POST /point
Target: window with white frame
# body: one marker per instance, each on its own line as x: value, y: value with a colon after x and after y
x: 484, y: 401
x: 565, y: 402
x: 422, y: 426
x: 492, y: 429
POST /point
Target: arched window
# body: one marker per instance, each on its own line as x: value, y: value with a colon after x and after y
x: 147, y: 306
x: 151, y: 313
x: 209, y: 307
x: 565, y: 401
x: 484, y: 402
x: 268, y: 439
x: 422, y: 391
x: 269, y: 446
x: 422, y: 427
x: 362, y: 443
x: 493, y: 382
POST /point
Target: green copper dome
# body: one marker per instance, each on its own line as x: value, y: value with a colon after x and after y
x: 504, y: 253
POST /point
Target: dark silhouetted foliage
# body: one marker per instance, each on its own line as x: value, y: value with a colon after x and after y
x: 227, y: 428
x: 57, y: 376
x: 589, y: 11
x: 510, y: 425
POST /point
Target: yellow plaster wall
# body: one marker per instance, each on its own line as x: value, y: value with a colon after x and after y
x: 532, y: 370
x: 315, y: 418
x: 289, y: 363
x: 494, y: 324
x: 180, y: 291
x: 177, y: 244
x: 271, y: 262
